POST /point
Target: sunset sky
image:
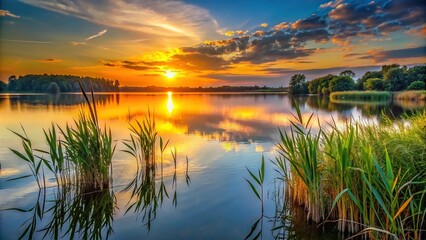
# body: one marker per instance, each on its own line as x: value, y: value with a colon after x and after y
x: 208, y: 43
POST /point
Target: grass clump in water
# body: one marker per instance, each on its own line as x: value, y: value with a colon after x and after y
x: 377, y: 96
x: 368, y: 178
x: 81, y: 155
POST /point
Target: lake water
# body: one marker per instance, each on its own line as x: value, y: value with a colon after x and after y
x: 205, y: 196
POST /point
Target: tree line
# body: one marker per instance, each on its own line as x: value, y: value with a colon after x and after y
x: 391, y: 77
x: 57, y: 83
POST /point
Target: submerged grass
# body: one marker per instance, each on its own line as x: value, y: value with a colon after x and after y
x: 368, y: 178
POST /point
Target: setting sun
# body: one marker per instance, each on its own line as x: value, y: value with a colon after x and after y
x: 170, y: 74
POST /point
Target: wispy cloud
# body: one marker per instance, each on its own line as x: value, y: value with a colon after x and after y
x: 78, y: 43
x: 163, y: 18
x: 24, y: 41
x: 6, y: 13
x: 50, y: 60
x: 97, y: 35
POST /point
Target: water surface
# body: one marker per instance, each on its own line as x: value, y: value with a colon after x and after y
x: 205, y: 197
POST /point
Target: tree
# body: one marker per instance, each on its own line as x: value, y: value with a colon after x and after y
x: 3, y: 86
x: 348, y: 73
x: 300, y: 88
x: 375, y: 84
x: 298, y: 84
x: 316, y: 85
x: 387, y: 68
x: 395, y: 80
x: 416, y: 73
x: 366, y: 76
x: 297, y: 78
x: 341, y: 83
x: 417, y: 85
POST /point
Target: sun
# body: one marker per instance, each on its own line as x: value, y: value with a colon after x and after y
x: 170, y: 74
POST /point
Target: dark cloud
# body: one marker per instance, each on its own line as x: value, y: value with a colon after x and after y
x: 380, y: 56
x: 50, y: 60
x: 312, y: 22
x: 237, y: 44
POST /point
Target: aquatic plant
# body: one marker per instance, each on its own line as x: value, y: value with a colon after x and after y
x: 82, y: 157
x: 369, y: 178
x: 379, y: 96
x: 419, y: 95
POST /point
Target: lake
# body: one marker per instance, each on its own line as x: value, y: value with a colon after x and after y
x: 204, y: 195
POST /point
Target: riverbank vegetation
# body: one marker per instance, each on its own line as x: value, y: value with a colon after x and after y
x: 391, y: 77
x: 43, y: 83
x: 361, y: 96
x: 368, y: 178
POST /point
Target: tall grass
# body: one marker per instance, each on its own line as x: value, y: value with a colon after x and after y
x: 79, y: 154
x: 360, y: 96
x: 148, y: 190
x: 411, y: 95
x: 368, y: 178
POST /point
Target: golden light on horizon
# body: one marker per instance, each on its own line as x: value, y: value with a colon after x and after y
x: 170, y: 74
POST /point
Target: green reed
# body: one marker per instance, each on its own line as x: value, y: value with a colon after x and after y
x: 360, y: 96
x: 79, y: 154
x: 369, y: 178
x: 148, y: 190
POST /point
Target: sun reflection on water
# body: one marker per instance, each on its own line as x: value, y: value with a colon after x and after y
x: 170, y: 105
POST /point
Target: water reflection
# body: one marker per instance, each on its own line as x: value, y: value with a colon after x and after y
x: 170, y: 103
x: 73, y: 214
x: 222, y: 117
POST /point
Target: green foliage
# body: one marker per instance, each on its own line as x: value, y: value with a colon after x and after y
x: 386, y: 68
x: 341, y: 83
x: 59, y: 83
x: 369, y: 177
x: 348, y: 73
x: 395, y: 79
x: 297, y: 78
x: 316, y: 85
x: 417, y: 85
x: 298, y: 84
x: 375, y: 84
x: 368, y: 75
x: 325, y: 91
x: 416, y: 73
x: 3, y: 86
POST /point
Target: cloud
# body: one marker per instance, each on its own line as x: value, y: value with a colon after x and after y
x: 312, y: 22
x: 162, y: 18
x: 230, y: 33
x: 341, y: 23
x: 6, y: 13
x: 50, y: 60
x: 384, y: 55
x: 264, y: 25
x: 97, y: 35
x: 331, y: 4
x: 25, y: 41
x: 78, y: 43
